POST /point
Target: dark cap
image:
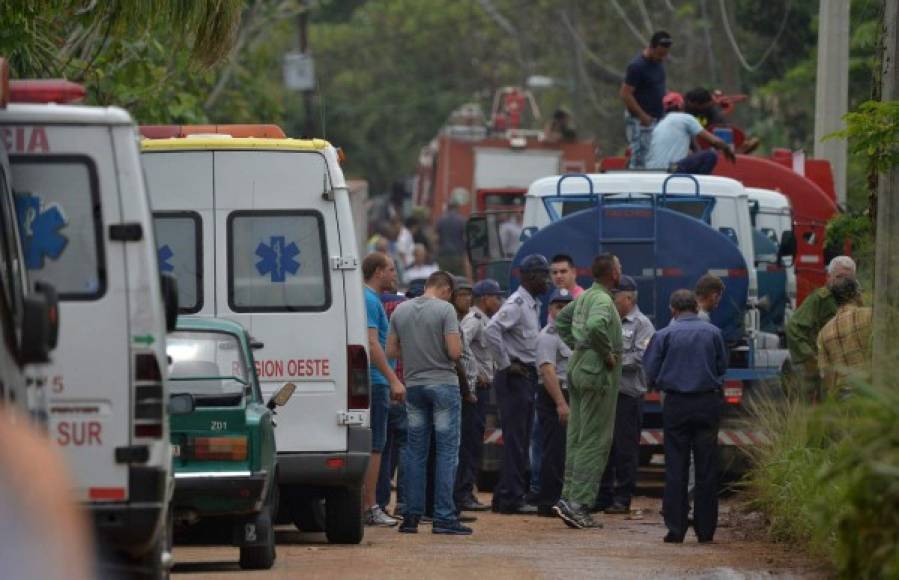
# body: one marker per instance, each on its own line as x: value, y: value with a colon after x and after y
x: 660, y: 38
x: 487, y: 287
x: 626, y: 284
x: 416, y: 288
x: 534, y: 263
x: 461, y: 283
x: 560, y: 295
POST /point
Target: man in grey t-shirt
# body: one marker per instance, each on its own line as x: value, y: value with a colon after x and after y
x: 424, y: 333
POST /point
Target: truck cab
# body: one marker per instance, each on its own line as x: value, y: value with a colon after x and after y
x: 86, y: 229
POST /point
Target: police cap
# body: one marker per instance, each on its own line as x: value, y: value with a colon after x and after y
x: 560, y: 295
x: 487, y: 287
x: 626, y: 284
x: 534, y: 263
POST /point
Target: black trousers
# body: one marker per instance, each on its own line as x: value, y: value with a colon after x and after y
x: 471, y: 446
x: 691, y: 422
x: 552, y: 436
x: 515, y: 395
x: 619, y: 481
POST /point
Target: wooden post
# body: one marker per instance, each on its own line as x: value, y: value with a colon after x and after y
x: 886, y: 264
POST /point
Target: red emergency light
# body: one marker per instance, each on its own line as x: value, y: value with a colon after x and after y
x: 45, y: 91
x: 263, y: 131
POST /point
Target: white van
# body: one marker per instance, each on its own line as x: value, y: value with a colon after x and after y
x: 87, y: 230
x: 260, y: 231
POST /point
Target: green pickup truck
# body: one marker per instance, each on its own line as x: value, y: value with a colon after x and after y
x: 224, y: 450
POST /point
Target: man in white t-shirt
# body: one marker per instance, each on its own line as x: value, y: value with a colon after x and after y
x: 671, y: 139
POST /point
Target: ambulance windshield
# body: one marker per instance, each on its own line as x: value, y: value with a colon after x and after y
x: 206, y: 363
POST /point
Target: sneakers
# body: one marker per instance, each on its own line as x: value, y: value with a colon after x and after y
x: 575, y: 516
x: 375, y: 516
x: 409, y: 525
x: 451, y: 528
x: 473, y: 505
x: 618, y: 509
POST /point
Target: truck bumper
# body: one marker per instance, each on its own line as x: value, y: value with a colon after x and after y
x: 133, y: 526
x: 222, y: 493
x: 328, y: 469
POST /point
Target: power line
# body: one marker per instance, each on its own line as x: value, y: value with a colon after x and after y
x: 630, y: 24
x: 586, y: 50
x: 735, y: 46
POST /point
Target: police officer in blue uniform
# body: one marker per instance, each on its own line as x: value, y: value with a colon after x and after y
x: 512, y: 336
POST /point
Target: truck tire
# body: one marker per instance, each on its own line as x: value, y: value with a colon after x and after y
x: 262, y: 556
x: 156, y: 563
x: 308, y: 514
x: 343, y: 515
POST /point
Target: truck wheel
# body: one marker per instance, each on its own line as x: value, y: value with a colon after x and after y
x: 308, y: 514
x: 262, y: 556
x: 343, y: 515
x: 157, y: 562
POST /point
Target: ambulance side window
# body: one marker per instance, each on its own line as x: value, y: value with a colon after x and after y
x: 59, y: 214
x: 179, y: 246
x: 277, y: 262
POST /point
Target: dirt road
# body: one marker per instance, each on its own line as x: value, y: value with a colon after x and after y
x: 521, y: 547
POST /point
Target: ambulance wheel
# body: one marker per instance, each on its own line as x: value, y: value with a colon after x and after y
x: 343, y: 515
x: 308, y: 514
x: 157, y: 562
x: 262, y: 556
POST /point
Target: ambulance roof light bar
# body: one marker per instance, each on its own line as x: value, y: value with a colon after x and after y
x: 264, y: 131
x: 45, y: 91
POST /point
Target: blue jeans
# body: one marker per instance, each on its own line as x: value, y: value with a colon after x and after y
x: 390, y: 457
x: 440, y: 406
x: 701, y: 163
x: 638, y: 140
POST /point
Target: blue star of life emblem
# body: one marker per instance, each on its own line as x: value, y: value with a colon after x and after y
x: 277, y: 259
x: 39, y: 226
x: 165, y: 254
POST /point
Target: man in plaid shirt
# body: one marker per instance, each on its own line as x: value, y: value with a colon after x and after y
x: 844, y: 343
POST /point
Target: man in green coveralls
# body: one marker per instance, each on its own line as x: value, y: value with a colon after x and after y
x: 591, y: 327
x: 808, y: 320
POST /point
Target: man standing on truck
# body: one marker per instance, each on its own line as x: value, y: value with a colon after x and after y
x: 619, y: 482
x: 591, y: 327
x: 552, y: 405
x: 642, y: 92
x: 512, y: 335
x: 487, y: 300
x: 379, y: 275
x: 803, y: 327
x: 672, y: 136
x: 424, y: 332
x: 687, y: 360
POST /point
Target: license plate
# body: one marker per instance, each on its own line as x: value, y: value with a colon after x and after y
x: 176, y: 451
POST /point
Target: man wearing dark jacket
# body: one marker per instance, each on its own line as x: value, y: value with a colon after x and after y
x: 687, y: 360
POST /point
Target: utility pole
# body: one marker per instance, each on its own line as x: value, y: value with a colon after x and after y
x: 886, y: 262
x: 308, y: 105
x: 832, y: 88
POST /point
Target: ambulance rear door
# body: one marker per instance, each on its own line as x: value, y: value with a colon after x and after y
x: 277, y: 274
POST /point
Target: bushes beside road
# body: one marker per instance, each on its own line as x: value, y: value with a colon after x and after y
x: 829, y: 479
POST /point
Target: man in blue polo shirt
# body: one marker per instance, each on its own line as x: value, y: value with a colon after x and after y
x: 687, y: 360
x: 642, y: 92
x: 379, y: 275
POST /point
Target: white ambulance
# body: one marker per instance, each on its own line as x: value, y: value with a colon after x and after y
x: 87, y: 230
x: 258, y: 229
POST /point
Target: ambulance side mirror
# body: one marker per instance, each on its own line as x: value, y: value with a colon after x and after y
x: 170, y: 300
x: 181, y: 404
x: 787, y: 244
x: 35, y: 345
x: 280, y: 398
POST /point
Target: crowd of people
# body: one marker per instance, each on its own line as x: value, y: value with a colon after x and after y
x: 569, y: 394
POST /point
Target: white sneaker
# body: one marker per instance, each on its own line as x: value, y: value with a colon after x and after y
x: 375, y: 516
